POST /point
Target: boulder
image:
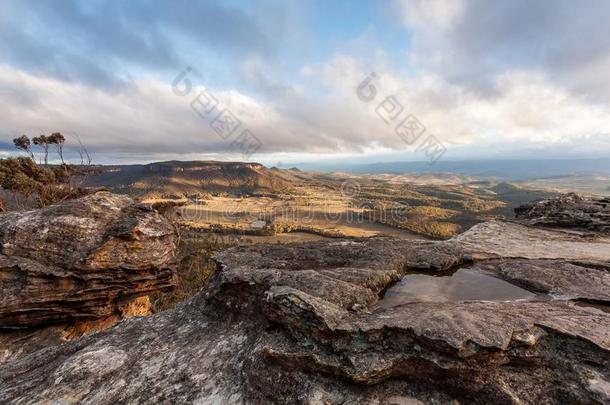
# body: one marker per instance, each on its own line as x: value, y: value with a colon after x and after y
x: 81, y: 260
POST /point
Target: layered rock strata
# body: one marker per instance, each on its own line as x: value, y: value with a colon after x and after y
x: 301, y: 323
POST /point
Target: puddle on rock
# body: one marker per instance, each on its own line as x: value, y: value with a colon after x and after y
x: 461, y: 285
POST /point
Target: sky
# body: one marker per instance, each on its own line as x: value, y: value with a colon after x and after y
x: 300, y: 81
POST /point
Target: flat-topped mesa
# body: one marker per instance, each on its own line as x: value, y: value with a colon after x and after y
x: 83, y: 259
x: 568, y: 211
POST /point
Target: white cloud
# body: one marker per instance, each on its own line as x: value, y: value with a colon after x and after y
x: 483, y: 75
x: 149, y: 119
x: 432, y: 15
x: 527, y: 107
x: 470, y: 42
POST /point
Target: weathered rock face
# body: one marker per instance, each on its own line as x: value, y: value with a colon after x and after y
x: 570, y: 211
x: 81, y: 260
x: 301, y: 324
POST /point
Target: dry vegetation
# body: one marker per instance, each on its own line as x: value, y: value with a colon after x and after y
x: 195, y: 266
x: 315, y: 206
x: 318, y: 204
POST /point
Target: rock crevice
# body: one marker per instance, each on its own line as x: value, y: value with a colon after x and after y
x: 300, y: 323
x: 78, y: 267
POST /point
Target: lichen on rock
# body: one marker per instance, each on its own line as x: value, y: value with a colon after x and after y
x: 299, y: 323
x: 78, y: 267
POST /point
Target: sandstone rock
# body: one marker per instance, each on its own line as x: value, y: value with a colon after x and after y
x: 81, y: 260
x: 299, y: 324
x: 570, y: 211
x: 508, y: 239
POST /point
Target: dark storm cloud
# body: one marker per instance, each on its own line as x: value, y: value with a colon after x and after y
x: 568, y: 40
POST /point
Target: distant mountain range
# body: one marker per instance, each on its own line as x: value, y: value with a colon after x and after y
x: 195, y: 177
x: 514, y: 170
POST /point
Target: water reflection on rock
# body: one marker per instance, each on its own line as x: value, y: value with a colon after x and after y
x: 462, y: 285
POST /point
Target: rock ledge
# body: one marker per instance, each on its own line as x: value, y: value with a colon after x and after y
x: 299, y: 324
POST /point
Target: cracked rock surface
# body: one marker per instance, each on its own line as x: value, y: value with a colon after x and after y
x: 91, y: 259
x: 300, y: 323
x: 569, y: 210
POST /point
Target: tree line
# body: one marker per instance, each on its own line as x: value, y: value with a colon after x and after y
x: 44, y: 142
x: 42, y: 184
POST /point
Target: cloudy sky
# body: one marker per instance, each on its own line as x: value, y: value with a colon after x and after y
x: 143, y: 80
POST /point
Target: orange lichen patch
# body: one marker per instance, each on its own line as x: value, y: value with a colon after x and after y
x: 87, y: 327
x: 137, y: 307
